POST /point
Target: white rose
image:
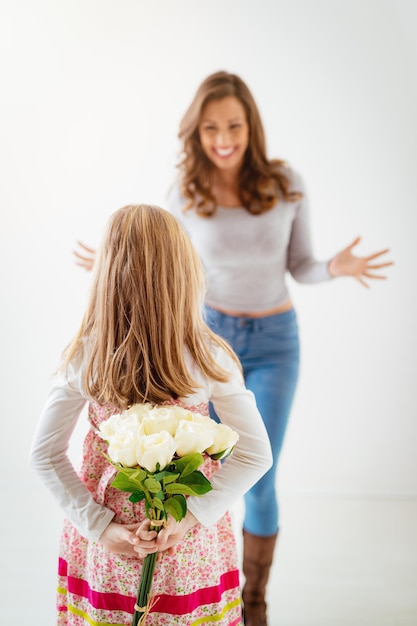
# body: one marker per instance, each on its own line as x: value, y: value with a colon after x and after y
x: 224, y: 439
x: 179, y: 411
x: 153, y: 449
x: 122, y: 448
x: 138, y: 410
x: 127, y: 420
x: 161, y: 418
x: 107, y: 428
x: 197, y: 417
x: 193, y: 436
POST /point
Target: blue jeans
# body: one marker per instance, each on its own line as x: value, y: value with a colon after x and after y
x: 269, y: 350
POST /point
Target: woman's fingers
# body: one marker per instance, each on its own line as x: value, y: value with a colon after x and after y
x: 377, y: 266
x: 375, y: 255
x: 353, y: 244
x: 86, y: 248
x: 85, y: 260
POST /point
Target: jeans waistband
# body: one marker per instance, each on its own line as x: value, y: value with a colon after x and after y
x: 245, y: 321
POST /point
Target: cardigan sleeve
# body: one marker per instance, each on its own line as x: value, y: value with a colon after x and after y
x: 49, y: 456
x: 252, y: 456
x: 301, y: 263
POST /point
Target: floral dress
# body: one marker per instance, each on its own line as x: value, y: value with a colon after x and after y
x: 197, y: 585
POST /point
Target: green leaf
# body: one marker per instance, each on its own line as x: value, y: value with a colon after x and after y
x: 222, y: 455
x: 154, y: 486
x: 179, y: 488
x: 157, y: 502
x: 170, y: 479
x: 164, y: 474
x: 176, y: 506
x: 198, y: 482
x: 137, y: 496
x: 138, y: 474
x: 133, y: 472
x: 187, y: 464
x: 126, y: 483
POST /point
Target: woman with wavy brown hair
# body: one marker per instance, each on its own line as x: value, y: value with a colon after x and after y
x: 247, y: 216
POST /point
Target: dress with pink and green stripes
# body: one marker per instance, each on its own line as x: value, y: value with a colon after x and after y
x: 197, y: 585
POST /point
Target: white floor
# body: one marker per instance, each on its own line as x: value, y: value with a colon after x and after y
x: 339, y: 562
x: 345, y: 562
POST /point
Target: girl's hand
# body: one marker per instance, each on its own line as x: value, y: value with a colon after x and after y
x: 346, y: 264
x: 167, y: 538
x: 123, y: 539
x: 86, y: 257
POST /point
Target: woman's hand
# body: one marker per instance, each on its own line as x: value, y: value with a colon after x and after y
x: 123, y: 539
x: 346, y: 264
x: 86, y: 257
x: 167, y: 538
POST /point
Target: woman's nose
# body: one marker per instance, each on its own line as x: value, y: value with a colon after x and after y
x: 223, y: 138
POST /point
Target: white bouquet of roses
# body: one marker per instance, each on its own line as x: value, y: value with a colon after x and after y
x: 157, y: 452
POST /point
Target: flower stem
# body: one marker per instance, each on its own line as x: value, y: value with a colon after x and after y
x: 144, y: 586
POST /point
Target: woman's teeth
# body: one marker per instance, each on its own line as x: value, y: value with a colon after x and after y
x: 224, y: 152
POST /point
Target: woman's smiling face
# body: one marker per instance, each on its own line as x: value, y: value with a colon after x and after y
x: 224, y: 132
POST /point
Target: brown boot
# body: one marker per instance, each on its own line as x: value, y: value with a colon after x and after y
x: 258, y: 554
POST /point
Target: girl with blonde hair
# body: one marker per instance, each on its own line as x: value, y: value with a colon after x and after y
x: 142, y: 340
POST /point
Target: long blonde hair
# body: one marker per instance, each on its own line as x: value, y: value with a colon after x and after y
x: 144, y: 310
x: 262, y: 182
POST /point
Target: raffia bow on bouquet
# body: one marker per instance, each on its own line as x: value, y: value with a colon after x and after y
x: 157, y: 452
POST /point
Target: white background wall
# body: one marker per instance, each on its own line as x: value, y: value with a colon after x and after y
x: 91, y: 95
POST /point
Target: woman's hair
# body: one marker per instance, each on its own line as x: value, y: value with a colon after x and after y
x: 262, y: 182
x: 144, y: 311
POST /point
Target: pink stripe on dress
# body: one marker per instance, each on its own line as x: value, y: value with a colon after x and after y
x: 174, y: 605
x: 180, y: 605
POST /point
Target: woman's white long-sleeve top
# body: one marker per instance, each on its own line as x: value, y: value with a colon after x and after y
x: 246, y: 256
